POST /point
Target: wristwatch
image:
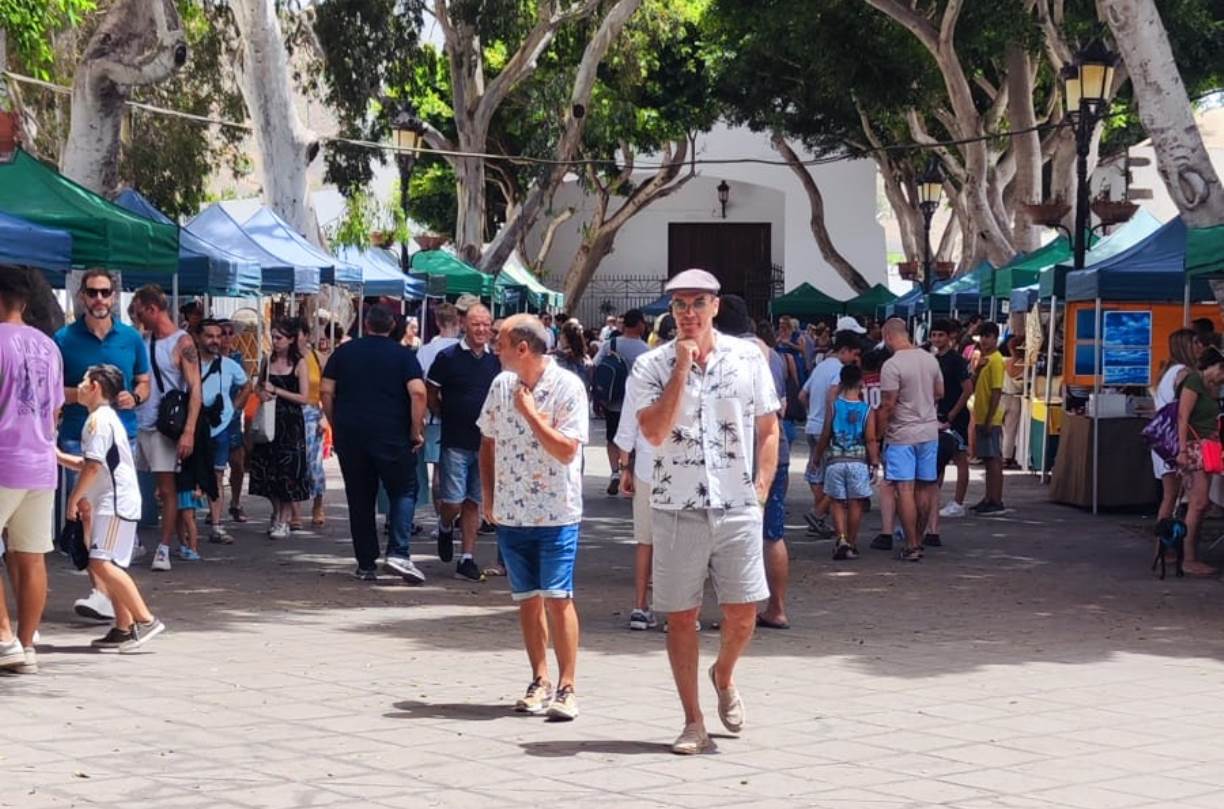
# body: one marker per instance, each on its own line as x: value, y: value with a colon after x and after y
x: 136, y: 398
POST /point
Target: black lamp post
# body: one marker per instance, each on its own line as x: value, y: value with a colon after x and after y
x: 930, y: 191
x: 724, y: 194
x: 408, y: 131
x: 1086, y: 84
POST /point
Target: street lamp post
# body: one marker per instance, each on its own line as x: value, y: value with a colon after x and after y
x: 930, y: 191
x: 1086, y: 84
x: 409, y: 132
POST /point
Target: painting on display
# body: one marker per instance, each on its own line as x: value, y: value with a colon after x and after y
x: 1126, y: 353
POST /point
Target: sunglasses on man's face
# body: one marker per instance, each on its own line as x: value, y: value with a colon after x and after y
x: 95, y: 292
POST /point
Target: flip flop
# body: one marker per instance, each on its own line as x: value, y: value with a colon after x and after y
x: 319, y: 521
x: 765, y: 623
x: 238, y: 514
x: 493, y: 571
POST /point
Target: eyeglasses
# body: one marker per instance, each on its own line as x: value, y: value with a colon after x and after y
x: 227, y: 333
x: 94, y: 292
x: 699, y: 305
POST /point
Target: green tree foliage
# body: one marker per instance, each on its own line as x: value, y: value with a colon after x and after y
x: 30, y: 26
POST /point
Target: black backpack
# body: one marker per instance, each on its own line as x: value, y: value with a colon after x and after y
x: 608, y: 381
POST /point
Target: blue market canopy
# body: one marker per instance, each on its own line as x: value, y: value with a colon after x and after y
x: 23, y: 242
x: 215, y: 225
x: 659, y: 307
x: 1053, y: 279
x: 381, y: 274
x: 1023, y: 298
x: 1152, y: 270
x: 277, y: 237
x: 203, y: 267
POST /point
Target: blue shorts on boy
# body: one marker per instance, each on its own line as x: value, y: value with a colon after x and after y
x: 539, y: 559
x: 460, y: 469
x: 847, y: 480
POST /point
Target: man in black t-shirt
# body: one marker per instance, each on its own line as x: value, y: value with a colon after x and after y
x: 458, y: 384
x: 374, y: 398
x: 953, y: 411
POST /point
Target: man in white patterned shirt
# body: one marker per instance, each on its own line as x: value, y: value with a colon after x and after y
x: 707, y: 402
x: 534, y: 424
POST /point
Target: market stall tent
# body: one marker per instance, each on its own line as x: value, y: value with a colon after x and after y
x: 277, y: 237
x: 1150, y: 270
x: 514, y: 274
x: 806, y: 300
x: 1053, y: 279
x: 203, y: 267
x: 381, y: 274
x: 103, y: 234
x: 460, y: 277
x: 32, y: 245
x: 870, y: 302
x: 215, y: 225
x: 659, y: 307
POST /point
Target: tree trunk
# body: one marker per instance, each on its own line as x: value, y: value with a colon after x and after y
x: 1026, y: 148
x: 609, y: 30
x: 820, y: 231
x: 1165, y: 110
x: 286, y: 146
x: 139, y: 42
x: 594, y: 249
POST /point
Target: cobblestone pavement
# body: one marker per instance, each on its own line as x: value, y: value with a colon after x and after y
x: 1032, y: 662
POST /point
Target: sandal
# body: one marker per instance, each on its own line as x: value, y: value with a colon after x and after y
x: 912, y: 555
x: 296, y: 525
x: 494, y: 571
x: 238, y: 514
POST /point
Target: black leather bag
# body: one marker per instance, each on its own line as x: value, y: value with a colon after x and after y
x: 172, y: 408
x: 72, y: 542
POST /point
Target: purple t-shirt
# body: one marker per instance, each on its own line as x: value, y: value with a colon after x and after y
x: 31, y: 394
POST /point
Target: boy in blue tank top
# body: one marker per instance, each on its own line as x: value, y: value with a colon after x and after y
x: 851, y: 455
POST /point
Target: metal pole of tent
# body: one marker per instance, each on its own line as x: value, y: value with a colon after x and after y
x: 1096, y: 408
x: 331, y: 321
x: 1186, y: 306
x: 1045, y: 427
x: 208, y: 305
x: 360, y: 313
x: 174, y: 296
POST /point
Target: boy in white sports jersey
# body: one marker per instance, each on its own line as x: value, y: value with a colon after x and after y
x: 106, y: 498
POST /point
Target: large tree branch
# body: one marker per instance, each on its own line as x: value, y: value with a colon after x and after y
x: 550, y: 235
x: 920, y: 135
x: 917, y: 24
x: 820, y: 231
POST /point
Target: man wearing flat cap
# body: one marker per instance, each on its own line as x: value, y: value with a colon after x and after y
x: 708, y: 404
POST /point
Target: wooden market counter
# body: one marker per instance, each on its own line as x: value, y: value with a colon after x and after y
x: 1125, y: 465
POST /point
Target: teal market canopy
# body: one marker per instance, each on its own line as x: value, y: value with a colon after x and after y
x: 1053, y: 280
x: 381, y: 274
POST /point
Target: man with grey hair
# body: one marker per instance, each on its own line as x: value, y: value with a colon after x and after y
x: 709, y: 406
x: 534, y: 425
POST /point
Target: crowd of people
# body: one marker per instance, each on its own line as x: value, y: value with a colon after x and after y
x: 488, y: 419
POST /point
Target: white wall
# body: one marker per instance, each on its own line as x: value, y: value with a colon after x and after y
x: 759, y: 193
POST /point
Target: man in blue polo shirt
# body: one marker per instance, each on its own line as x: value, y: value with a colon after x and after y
x: 458, y: 383
x: 97, y: 338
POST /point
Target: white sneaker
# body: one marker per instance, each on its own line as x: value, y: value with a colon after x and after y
x: 11, y: 654
x: 953, y: 509
x: 95, y: 607
x: 405, y: 569
x: 138, y: 550
x: 161, y: 559
x: 279, y: 531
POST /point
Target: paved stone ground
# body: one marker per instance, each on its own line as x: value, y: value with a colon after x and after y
x: 1032, y: 662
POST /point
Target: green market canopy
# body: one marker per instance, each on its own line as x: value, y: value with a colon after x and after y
x: 460, y: 276
x: 514, y: 274
x: 1205, y: 252
x: 870, y: 302
x: 1024, y: 269
x: 103, y: 234
x: 806, y: 300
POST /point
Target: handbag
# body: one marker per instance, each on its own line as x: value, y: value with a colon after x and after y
x: 172, y: 405
x: 263, y: 425
x: 1211, y: 454
x: 72, y: 542
x: 1161, y: 432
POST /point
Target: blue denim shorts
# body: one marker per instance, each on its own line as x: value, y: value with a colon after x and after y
x: 460, y: 470
x: 775, y: 505
x: 221, y: 450
x: 539, y: 559
x: 234, y: 432
x: 905, y: 463
x: 848, y: 480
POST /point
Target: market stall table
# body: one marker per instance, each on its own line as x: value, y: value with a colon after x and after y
x: 1125, y: 465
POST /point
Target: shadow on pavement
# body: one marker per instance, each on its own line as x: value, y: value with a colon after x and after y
x: 465, y: 711
x: 613, y: 747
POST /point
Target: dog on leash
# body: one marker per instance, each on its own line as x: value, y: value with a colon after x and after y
x: 1170, y: 536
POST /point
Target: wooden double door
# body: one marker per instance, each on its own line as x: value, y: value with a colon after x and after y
x: 737, y: 253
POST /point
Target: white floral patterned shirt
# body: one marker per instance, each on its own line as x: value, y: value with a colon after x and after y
x: 707, y: 460
x: 531, y: 487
